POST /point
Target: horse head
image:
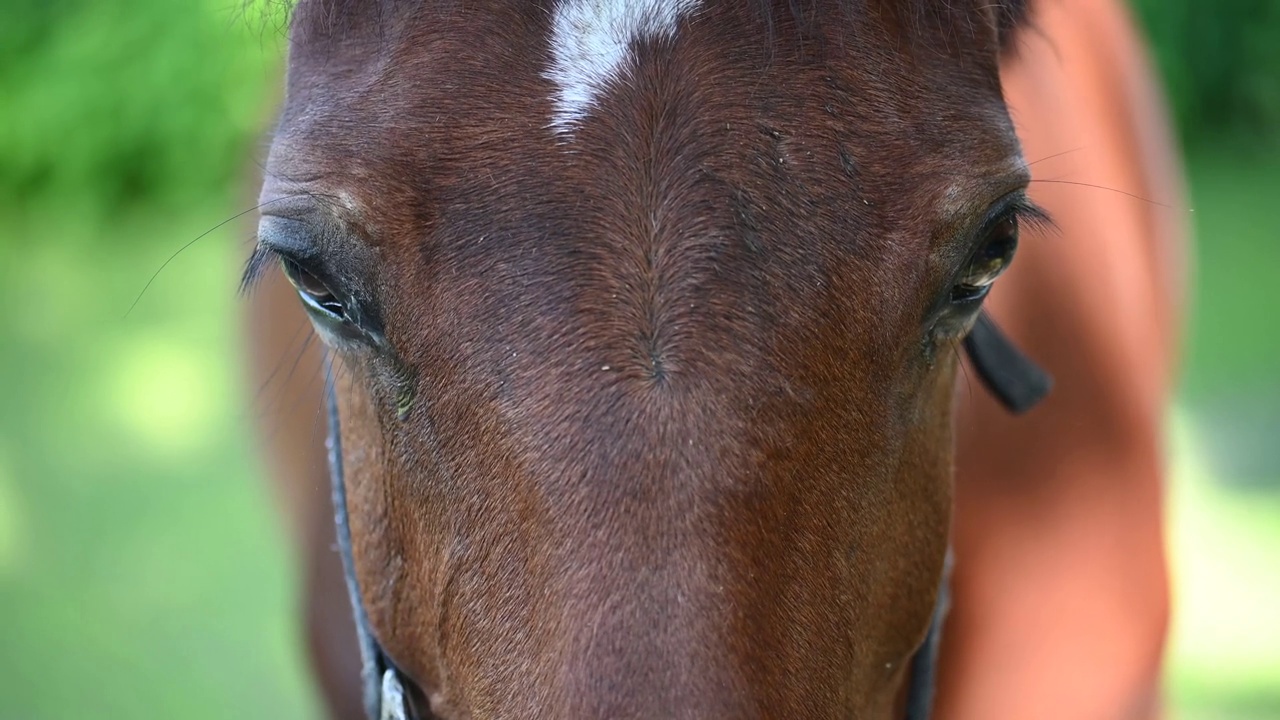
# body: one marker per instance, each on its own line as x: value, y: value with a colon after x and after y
x: 643, y: 320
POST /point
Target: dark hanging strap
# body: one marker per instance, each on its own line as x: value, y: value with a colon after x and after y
x: 1017, y: 382
x: 924, y: 664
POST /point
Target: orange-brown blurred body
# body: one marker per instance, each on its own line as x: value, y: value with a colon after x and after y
x: 1060, y: 598
x: 1061, y: 592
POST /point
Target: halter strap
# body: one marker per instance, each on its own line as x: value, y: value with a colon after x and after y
x: 1017, y: 382
x: 1012, y: 377
x: 924, y: 664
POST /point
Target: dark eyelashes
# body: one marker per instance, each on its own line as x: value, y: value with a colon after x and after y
x: 1029, y: 215
x: 264, y: 257
x: 256, y: 266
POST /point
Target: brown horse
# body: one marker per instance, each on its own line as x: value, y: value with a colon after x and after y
x: 644, y: 321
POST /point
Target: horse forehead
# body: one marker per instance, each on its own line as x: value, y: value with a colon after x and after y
x: 355, y: 97
x: 582, y: 46
x: 590, y: 43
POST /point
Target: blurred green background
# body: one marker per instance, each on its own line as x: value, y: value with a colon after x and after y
x: 143, y: 571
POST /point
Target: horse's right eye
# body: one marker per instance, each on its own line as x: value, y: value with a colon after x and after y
x: 990, y: 260
x: 316, y: 296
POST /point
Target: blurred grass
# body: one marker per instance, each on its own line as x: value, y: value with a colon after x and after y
x: 1237, y: 255
x: 142, y: 565
x: 1224, y: 661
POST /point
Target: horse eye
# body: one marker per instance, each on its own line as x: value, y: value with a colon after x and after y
x: 314, y: 293
x: 991, y: 259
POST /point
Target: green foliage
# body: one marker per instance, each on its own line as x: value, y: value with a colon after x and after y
x: 117, y: 103
x: 1221, y: 65
x: 1236, y: 255
x: 144, y: 571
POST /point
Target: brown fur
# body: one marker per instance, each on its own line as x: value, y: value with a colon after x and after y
x: 679, y: 442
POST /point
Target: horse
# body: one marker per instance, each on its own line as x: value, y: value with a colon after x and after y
x: 642, y: 325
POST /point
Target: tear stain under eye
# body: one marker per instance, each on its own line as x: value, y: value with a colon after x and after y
x: 404, y: 400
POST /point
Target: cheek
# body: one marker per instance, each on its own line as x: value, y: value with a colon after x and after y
x: 925, y: 473
x: 377, y: 555
x: 917, y: 515
x: 389, y: 551
x: 930, y: 444
x: 442, y: 584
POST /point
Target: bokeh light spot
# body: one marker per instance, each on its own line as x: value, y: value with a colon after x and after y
x: 11, y: 534
x: 166, y: 395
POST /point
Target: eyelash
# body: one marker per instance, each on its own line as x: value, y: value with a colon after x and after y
x: 256, y: 266
x: 1027, y: 213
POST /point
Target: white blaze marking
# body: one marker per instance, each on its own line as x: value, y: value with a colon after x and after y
x: 590, y: 41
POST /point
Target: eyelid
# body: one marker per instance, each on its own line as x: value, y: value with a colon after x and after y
x: 1016, y: 206
x: 280, y: 238
x: 294, y: 241
x: 299, y: 274
x: 263, y: 256
x: 332, y: 263
x: 315, y: 269
x: 1019, y: 206
x: 964, y: 248
x: 287, y: 235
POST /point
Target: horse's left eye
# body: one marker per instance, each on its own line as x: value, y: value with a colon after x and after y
x: 314, y: 293
x: 987, y: 263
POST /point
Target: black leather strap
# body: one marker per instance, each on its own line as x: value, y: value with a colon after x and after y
x: 924, y: 665
x: 1017, y: 382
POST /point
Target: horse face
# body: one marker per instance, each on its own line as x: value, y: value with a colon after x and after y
x: 644, y: 328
